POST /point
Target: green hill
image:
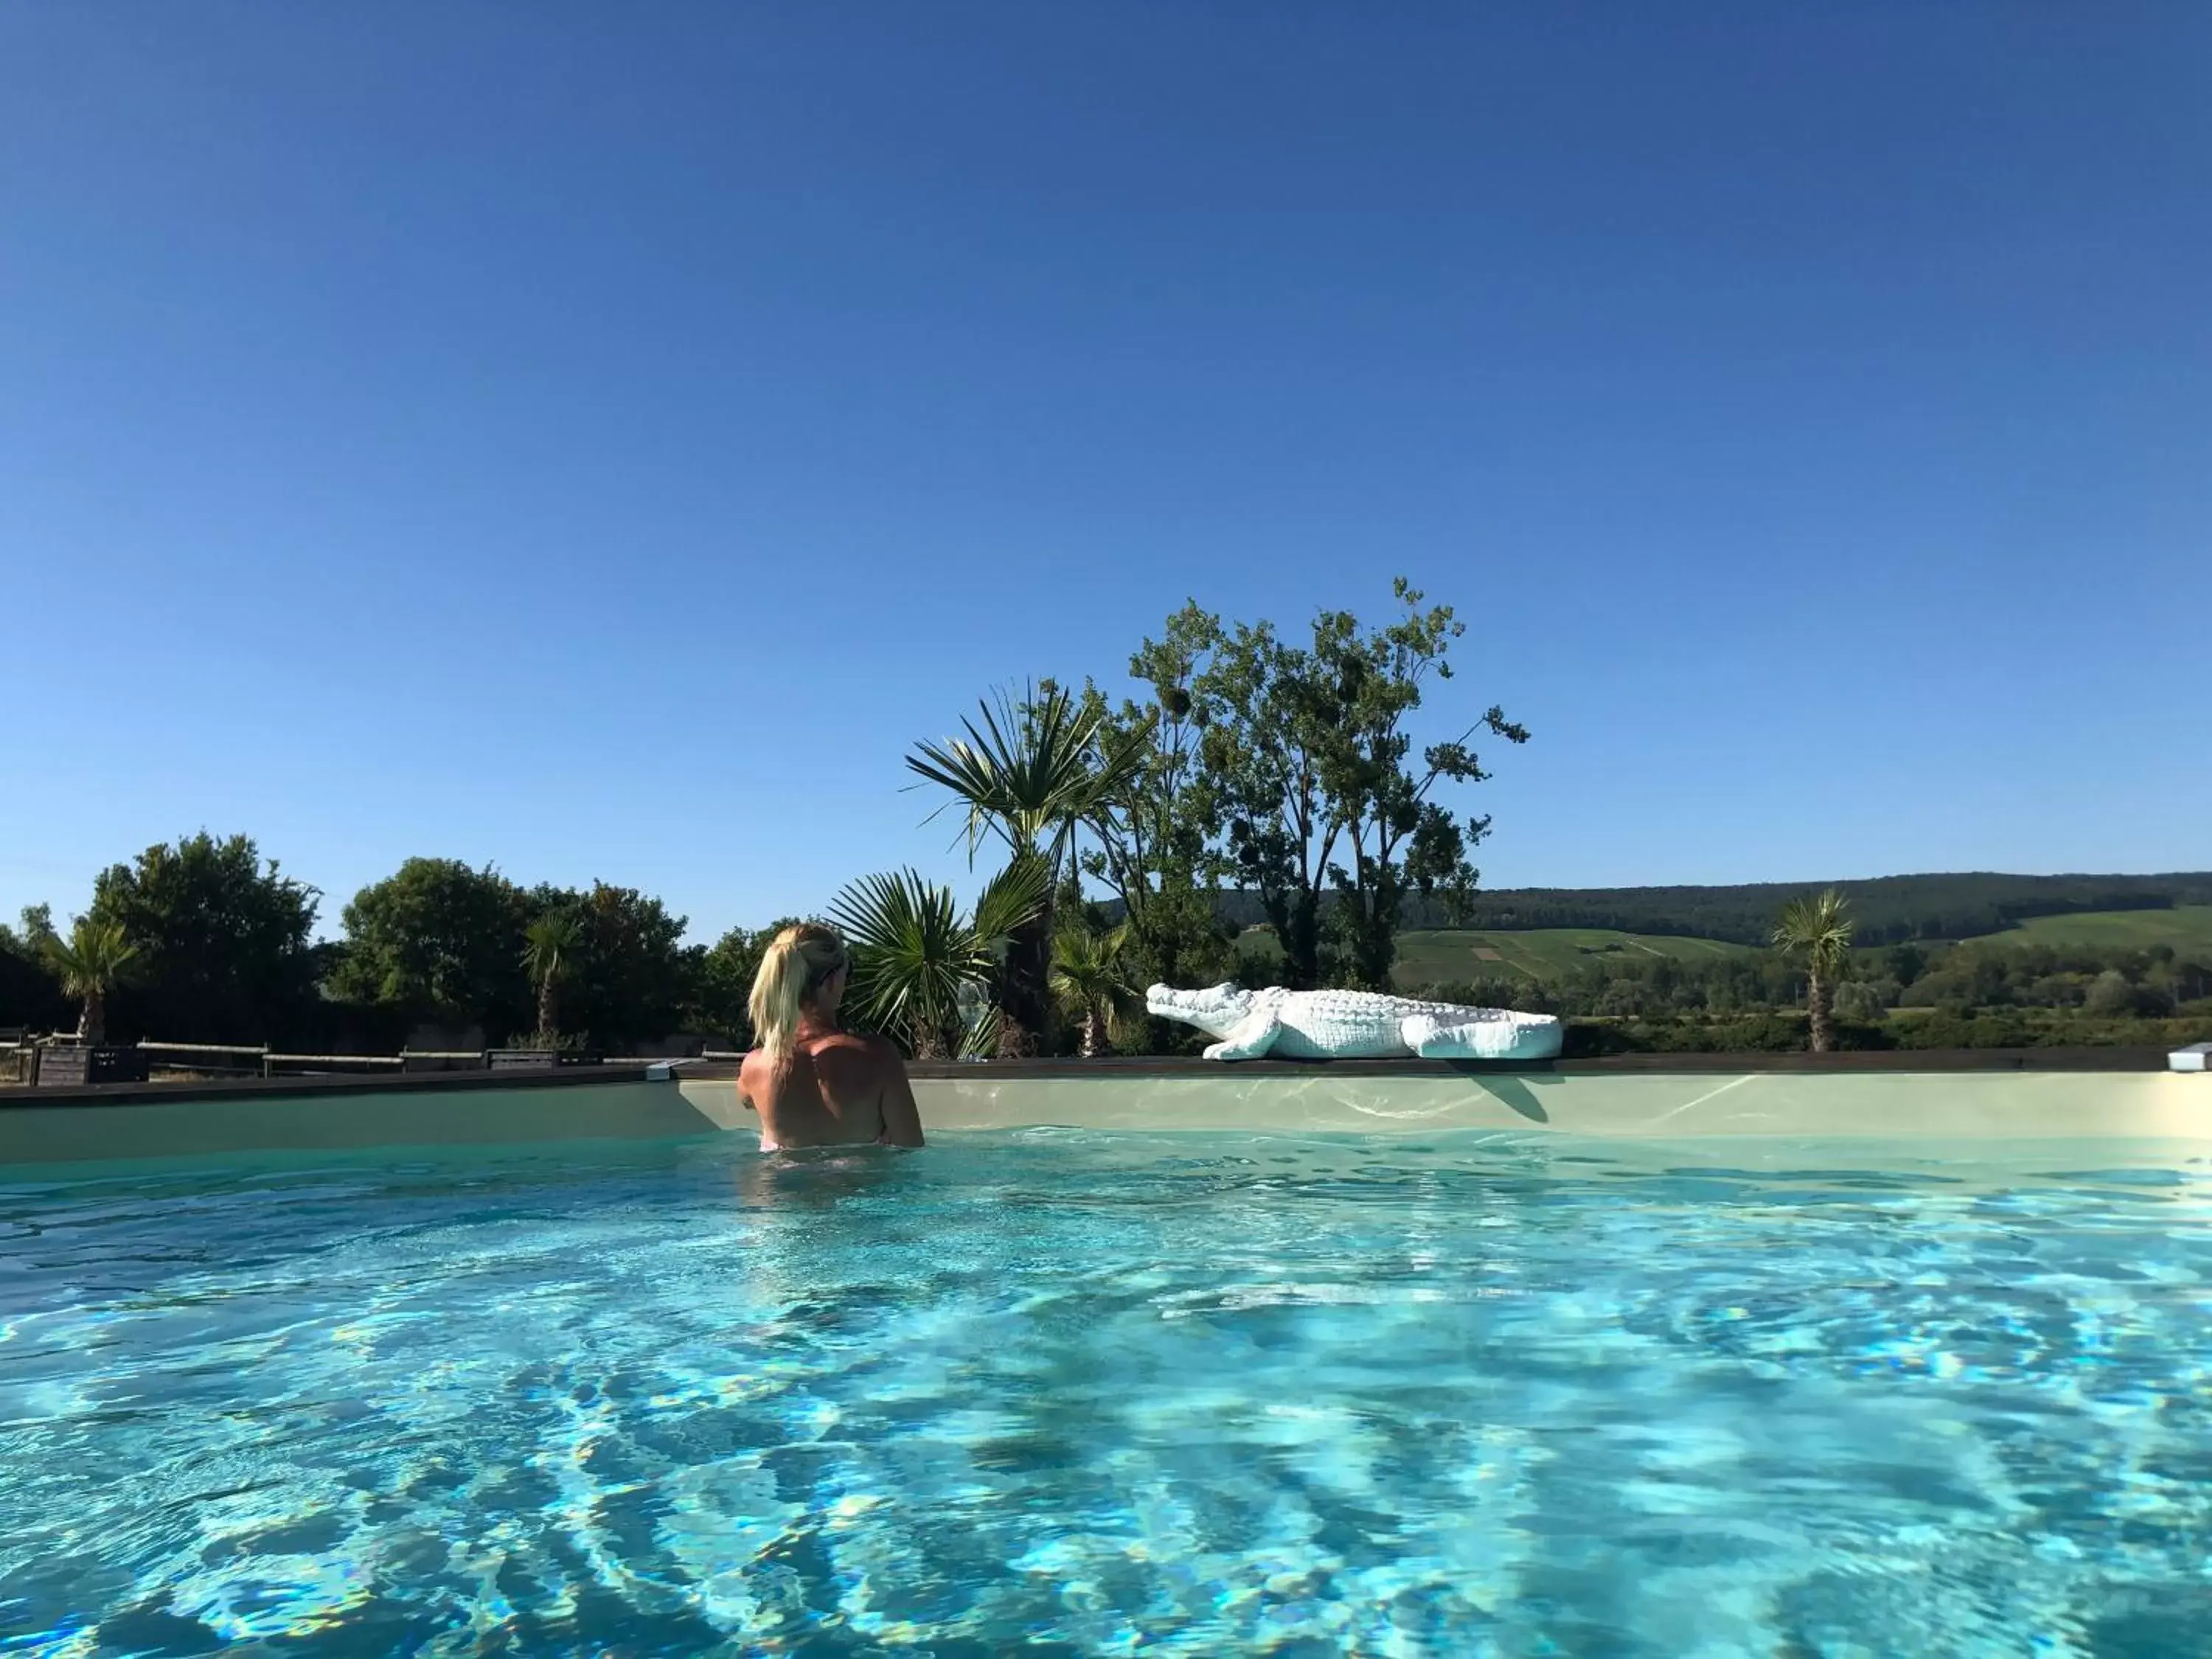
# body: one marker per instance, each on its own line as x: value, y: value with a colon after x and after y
x: 1432, y: 956
x: 2187, y: 928
x: 1887, y: 908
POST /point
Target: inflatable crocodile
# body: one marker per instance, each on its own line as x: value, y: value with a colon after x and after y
x: 1351, y: 1025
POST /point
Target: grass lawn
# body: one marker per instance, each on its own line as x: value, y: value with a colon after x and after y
x: 2185, y: 927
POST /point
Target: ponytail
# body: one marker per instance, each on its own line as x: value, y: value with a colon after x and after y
x: 797, y: 963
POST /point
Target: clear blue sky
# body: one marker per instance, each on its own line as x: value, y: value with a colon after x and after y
x: 601, y: 439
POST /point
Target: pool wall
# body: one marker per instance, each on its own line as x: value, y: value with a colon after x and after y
x: 1649, y: 1105
x: 200, y: 1120
x: 1834, y: 1097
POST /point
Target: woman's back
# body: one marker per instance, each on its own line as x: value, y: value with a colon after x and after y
x: 832, y: 1089
x: 813, y: 1085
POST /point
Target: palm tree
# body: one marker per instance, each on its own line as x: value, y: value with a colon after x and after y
x: 91, y: 964
x: 914, y: 954
x: 1089, y: 975
x: 549, y: 952
x: 1817, y: 930
x: 1028, y: 774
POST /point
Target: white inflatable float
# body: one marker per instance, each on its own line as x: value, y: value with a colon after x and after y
x: 1351, y: 1025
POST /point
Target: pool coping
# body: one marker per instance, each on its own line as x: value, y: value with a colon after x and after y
x: 349, y: 1083
x: 1847, y: 1061
x: 2133, y: 1058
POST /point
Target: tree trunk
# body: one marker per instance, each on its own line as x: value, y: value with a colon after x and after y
x: 1299, y: 935
x: 549, y: 1012
x: 1094, y: 1032
x: 1816, y: 1003
x: 1025, y: 1004
x: 1015, y: 1041
x: 92, y: 1019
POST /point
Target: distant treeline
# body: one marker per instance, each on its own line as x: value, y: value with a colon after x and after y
x: 1889, y: 909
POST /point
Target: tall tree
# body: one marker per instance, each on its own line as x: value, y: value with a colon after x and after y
x: 225, y: 941
x: 1028, y: 774
x: 30, y: 994
x: 1312, y: 760
x: 439, y: 939
x: 1817, y: 931
x: 90, y: 963
x: 636, y: 979
x: 1150, y: 837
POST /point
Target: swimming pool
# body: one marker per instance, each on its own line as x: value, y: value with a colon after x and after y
x: 1099, y: 1392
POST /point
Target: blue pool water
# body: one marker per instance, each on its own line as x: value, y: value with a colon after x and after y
x: 1098, y: 1394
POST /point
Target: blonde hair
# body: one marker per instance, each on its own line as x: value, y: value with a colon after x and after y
x: 797, y: 963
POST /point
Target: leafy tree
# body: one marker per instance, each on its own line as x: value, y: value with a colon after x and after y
x: 1091, y: 976
x: 91, y: 963
x: 439, y: 939
x: 1863, y: 999
x: 550, y: 945
x: 636, y: 978
x: 1818, y: 931
x: 2113, y: 993
x: 1152, y: 832
x: 30, y: 996
x: 1310, y: 753
x: 1033, y: 770
x: 225, y: 941
x: 914, y: 957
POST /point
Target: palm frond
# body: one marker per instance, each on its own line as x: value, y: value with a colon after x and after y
x: 1091, y: 975
x: 550, y: 941
x: 1030, y: 770
x: 911, y: 953
x: 1818, y: 927
x: 93, y: 960
x: 1014, y: 897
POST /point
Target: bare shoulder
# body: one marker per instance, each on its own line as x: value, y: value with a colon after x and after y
x: 876, y: 1052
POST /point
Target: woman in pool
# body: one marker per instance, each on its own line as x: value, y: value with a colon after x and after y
x: 813, y: 1085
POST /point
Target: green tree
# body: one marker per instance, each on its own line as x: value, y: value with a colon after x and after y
x: 550, y: 943
x: 1817, y: 931
x: 2112, y: 992
x: 1905, y: 961
x: 225, y: 941
x: 636, y: 980
x: 1032, y: 771
x: 1152, y: 832
x: 916, y: 959
x: 439, y: 939
x: 30, y: 994
x: 90, y: 963
x: 1092, y: 979
x: 1309, y: 749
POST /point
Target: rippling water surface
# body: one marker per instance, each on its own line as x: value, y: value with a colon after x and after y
x: 1113, y: 1394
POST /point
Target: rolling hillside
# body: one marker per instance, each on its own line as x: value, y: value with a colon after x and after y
x: 2187, y: 928
x: 1888, y: 908
x: 1433, y: 954
x: 1430, y: 956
